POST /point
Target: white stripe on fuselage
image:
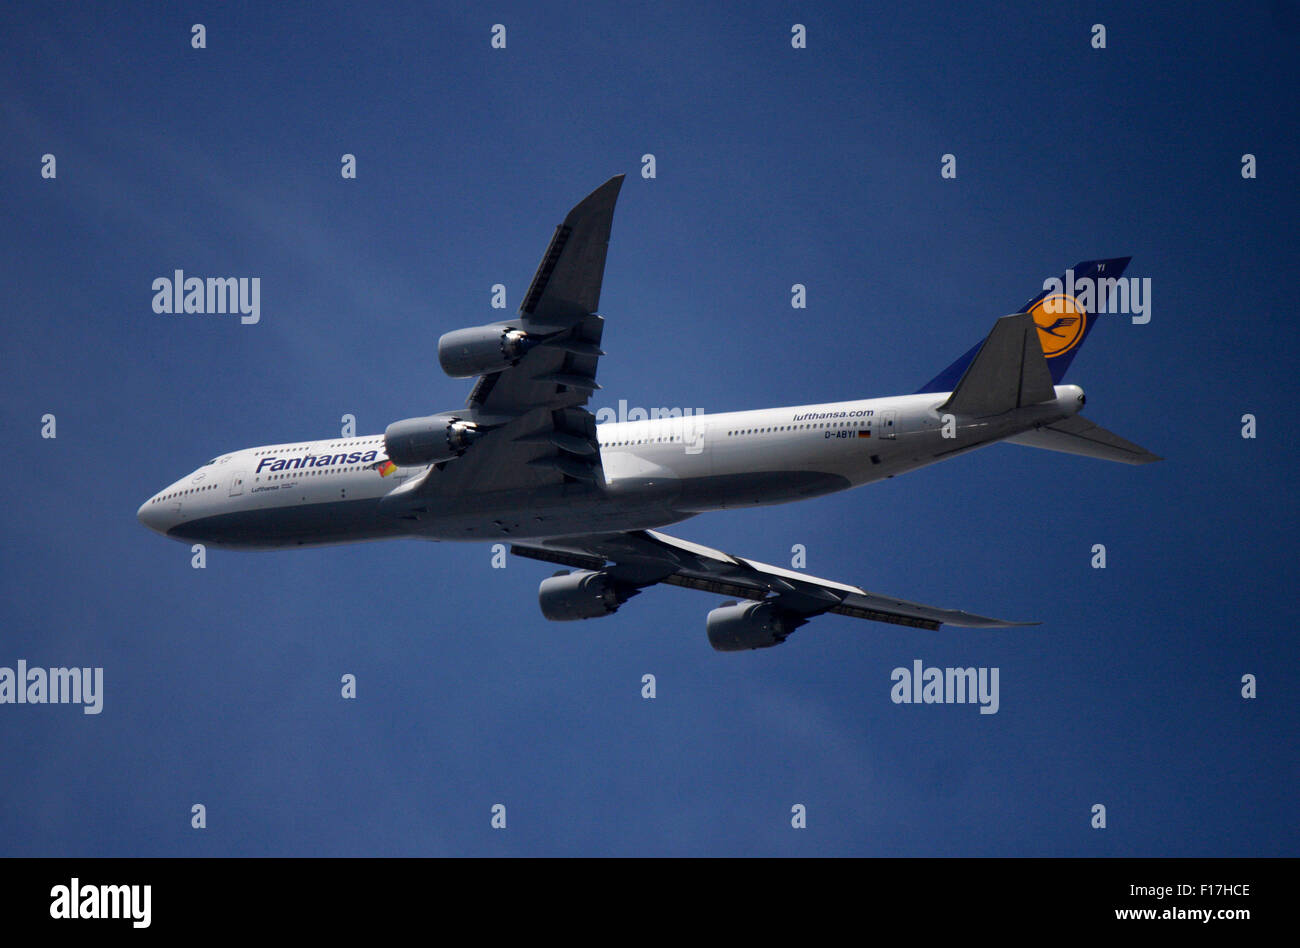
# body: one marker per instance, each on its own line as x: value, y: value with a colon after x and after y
x: 832, y: 438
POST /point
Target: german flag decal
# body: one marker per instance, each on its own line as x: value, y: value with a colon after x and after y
x: 864, y: 432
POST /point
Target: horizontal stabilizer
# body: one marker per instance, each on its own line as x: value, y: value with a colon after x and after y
x: 1008, y: 372
x: 1078, y: 435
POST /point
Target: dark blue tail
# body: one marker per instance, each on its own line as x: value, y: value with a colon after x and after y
x: 1064, y: 312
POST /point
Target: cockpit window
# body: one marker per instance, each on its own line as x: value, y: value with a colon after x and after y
x: 210, y: 463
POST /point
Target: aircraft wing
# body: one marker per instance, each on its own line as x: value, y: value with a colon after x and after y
x: 645, y: 557
x: 541, y: 432
x: 560, y: 306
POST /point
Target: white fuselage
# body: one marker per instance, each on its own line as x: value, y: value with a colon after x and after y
x: 656, y: 472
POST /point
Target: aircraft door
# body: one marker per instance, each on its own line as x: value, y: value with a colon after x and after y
x: 887, y: 424
x: 237, y: 483
x: 696, y: 447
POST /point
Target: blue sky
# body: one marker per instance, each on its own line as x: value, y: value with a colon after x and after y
x: 775, y: 166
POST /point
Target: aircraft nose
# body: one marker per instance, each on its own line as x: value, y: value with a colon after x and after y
x: 152, y: 515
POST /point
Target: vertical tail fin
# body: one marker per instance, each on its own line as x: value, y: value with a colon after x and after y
x: 1064, y: 313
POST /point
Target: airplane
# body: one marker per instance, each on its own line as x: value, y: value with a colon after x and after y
x: 526, y: 463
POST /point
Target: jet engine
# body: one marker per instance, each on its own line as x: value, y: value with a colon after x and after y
x: 735, y: 627
x: 480, y: 350
x: 581, y: 595
x: 428, y: 440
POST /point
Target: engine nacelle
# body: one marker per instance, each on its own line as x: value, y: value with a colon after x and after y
x: 580, y: 595
x: 480, y: 350
x: 735, y: 627
x: 428, y: 440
